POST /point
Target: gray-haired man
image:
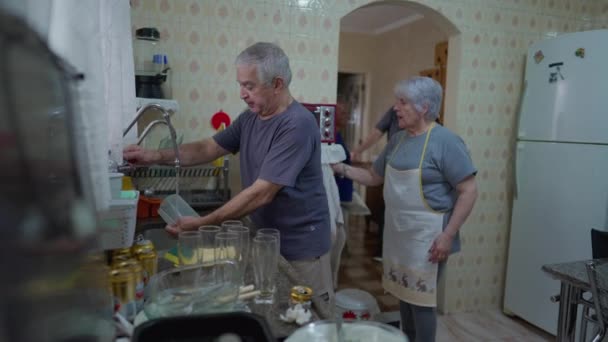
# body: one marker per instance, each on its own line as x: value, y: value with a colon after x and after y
x: 279, y: 144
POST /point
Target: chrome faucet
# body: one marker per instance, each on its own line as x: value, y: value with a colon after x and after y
x: 165, y: 120
x: 148, y: 128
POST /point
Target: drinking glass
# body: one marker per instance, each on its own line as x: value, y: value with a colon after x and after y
x: 207, y: 256
x: 231, y: 223
x: 273, y: 232
x: 226, y: 256
x: 265, y: 259
x: 188, y: 245
x: 243, y: 248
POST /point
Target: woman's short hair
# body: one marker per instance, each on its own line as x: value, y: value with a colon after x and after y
x: 271, y: 62
x: 421, y: 91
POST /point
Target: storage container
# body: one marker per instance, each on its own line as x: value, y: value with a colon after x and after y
x: 117, y: 224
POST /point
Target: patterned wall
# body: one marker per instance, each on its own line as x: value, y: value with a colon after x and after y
x: 202, y: 38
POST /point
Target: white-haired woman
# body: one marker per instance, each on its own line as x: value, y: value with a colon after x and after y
x: 429, y: 190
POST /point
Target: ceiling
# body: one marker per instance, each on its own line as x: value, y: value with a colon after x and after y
x: 378, y: 18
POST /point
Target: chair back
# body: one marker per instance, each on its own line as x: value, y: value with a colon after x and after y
x: 599, y: 244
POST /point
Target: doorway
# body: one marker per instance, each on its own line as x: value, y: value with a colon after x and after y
x: 351, y: 90
x: 387, y: 41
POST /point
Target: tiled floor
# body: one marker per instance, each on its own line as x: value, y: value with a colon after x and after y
x: 358, y: 270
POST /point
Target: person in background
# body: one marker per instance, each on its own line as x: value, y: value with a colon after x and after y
x: 280, y: 157
x: 388, y: 124
x: 345, y: 185
x: 429, y: 190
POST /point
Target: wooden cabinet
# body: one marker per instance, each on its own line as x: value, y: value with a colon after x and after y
x: 439, y: 72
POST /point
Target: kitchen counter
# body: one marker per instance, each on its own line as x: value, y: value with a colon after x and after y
x: 573, y: 273
x: 574, y: 281
x: 286, y: 279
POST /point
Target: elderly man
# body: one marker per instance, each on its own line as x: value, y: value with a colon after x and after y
x: 279, y: 144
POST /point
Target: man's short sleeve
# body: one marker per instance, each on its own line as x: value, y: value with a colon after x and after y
x: 385, y: 122
x: 230, y: 138
x: 288, y: 155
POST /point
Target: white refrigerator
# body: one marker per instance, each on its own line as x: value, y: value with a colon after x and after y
x: 561, y: 168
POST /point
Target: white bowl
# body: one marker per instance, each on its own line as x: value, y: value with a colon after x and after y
x: 353, y: 332
x: 356, y: 305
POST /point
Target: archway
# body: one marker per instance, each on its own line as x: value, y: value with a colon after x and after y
x: 379, y: 80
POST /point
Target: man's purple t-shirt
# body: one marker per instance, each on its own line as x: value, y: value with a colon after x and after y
x: 285, y: 150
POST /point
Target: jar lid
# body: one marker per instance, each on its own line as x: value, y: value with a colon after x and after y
x: 147, y: 33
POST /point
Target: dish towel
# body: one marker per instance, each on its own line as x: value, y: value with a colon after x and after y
x: 331, y: 154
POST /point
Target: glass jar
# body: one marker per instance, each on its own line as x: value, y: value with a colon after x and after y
x: 147, y: 51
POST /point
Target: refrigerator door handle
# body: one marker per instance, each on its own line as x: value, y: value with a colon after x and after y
x: 518, y: 152
x: 520, y: 105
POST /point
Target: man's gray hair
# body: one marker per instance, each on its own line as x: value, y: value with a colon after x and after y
x: 271, y: 62
x: 421, y: 91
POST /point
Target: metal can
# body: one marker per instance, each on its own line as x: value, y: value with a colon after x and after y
x: 300, y: 295
x: 138, y: 272
x: 123, y: 289
x: 142, y: 246
x: 149, y: 261
x: 144, y: 251
x: 94, y: 275
x: 121, y: 251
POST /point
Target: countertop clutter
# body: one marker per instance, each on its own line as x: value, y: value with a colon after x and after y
x: 286, y: 279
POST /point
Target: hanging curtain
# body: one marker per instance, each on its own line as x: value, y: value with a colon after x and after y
x: 95, y: 37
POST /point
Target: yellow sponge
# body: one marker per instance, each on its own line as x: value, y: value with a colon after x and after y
x: 171, y: 255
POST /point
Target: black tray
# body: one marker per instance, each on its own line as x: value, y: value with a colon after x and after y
x: 202, y: 328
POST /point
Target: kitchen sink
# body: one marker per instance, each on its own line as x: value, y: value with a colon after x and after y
x: 153, y: 229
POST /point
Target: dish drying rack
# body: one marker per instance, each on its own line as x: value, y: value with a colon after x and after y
x: 200, y: 186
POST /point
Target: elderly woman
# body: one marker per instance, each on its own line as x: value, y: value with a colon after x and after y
x: 429, y: 190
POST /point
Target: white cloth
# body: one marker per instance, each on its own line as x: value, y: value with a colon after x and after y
x: 410, y: 226
x: 95, y: 37
x: 331, y: 154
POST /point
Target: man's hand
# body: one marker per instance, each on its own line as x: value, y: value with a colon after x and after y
x: 137, y: 155
x: 183, y: 224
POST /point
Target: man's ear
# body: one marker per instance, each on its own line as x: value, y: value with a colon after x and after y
x: 278, y: 84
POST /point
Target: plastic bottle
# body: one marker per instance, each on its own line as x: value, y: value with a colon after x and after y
x: 167, y: 86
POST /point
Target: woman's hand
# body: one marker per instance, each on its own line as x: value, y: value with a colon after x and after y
x: 441, y: 247
x: 183, y: 224
x: 338, y: 168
